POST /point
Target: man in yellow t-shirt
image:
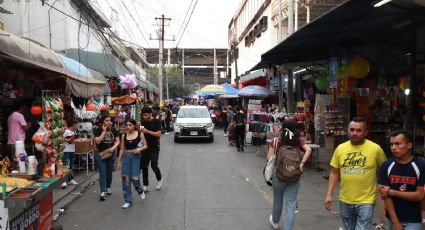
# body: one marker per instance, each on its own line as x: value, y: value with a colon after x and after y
x: 356, y: 162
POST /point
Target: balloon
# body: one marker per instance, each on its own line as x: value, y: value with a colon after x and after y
x: 91, y: 107
x: 133, y: 95
x: 133, y: 85
x: 36, y: 110
x: 359, y: 67
x: 103, y: 107
x: 322, y: 83
x: 403, y: 86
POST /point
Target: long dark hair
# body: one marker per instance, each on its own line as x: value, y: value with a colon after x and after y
x: 290, y: 135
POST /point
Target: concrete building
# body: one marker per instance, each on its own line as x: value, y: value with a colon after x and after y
x: 257, y: 26
x: 198, y: 65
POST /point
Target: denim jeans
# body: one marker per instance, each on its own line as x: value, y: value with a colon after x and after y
x: 130, y: 171
x: 106, y: 167
x: 68, y: 160
x: 406, y: 226
x: 356, y: 216
x: 289, y: 191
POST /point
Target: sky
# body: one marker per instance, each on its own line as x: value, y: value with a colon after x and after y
x: 134, y: 20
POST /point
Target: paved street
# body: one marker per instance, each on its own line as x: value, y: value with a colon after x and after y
x: 207, y: 186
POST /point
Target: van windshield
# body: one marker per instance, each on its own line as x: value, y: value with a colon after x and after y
x: 193, y: 113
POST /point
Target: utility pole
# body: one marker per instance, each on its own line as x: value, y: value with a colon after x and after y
x: 161, y: 25
x: 183, y: 67
x: 215, y: 68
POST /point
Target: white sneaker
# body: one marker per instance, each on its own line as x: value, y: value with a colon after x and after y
x: 142, y: 195
x: 274, y: 225
x: 126, y: 205
x: 108, y: 191
x: 225, y: 134
x: 167, y: 133
x: 73, y: 182
x: 159, y: 185
x: 64, y: 184
x: 146, y: 188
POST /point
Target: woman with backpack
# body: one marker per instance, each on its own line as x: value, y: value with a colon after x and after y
x: 288, y: 169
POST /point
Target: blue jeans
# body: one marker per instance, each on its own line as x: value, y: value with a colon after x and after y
x: 68, y: 161
x: 106, y: 167
x: 406, y: 226
x: 130, y: 174
x: 356, y: 216
x: 290, y: 190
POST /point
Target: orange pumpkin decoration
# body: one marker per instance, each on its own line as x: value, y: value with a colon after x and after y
x: 36, y: 110
x: 91, y: 107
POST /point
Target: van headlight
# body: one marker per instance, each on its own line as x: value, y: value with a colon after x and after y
x: 208, y: 125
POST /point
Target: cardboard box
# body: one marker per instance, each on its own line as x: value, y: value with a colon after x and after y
x: 83, y: 146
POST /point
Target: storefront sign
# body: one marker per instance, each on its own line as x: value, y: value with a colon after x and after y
x: 38, y: 217
x: 333, y: 72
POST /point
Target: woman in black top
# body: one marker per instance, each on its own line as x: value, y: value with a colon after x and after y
x: 132, y: 145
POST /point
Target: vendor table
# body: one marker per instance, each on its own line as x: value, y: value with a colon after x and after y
x: 34, y: 212
x: 88, y: 154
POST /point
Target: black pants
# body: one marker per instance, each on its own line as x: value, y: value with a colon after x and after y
x: 225, y: 126
x: 152, y: 158
x: 240, y: 135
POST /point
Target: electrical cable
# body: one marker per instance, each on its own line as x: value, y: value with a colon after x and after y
x: 141, y: 22
x: 184, y: 19
x: 191, y: 13
x: 94, y: 28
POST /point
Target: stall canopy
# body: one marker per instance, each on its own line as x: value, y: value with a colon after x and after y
x: 209, y: 90
x: 255, y: 91
x: 101, y: 78
x: 85, y: 85
x: 252, y: 75
x: 27, y: 52
x: 355, y: 22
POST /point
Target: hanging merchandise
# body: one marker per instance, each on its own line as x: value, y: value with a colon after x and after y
x: 53, y: 122
x: 138, y: 111
x: 128, y: 81
x: 322, y: 83
x: 359, y: 67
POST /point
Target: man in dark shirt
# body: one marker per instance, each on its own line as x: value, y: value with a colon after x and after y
x: 239, y: 120
x: 401, y: 184
x: 151, y: 127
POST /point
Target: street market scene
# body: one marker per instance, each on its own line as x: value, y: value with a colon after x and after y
x: 224, y: 114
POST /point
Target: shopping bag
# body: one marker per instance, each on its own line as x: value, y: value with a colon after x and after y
x: 269, y: 168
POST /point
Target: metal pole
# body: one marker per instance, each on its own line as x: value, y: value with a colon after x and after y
x: 161, y: 64
x: 166, y: 74
x: 183, y: 67
x: 215, y: 68
x: 279, y: 75
x: 290, y: 95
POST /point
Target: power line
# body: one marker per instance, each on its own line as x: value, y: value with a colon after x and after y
x: 185, y: 16
x: 193, y: 9
x: 141, y: 22
x: 87, y: 24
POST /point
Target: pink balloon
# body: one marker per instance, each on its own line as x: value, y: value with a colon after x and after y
x: 133, y: 85
x: 133, y: 95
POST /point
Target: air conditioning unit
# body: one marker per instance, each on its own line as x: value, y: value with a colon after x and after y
x: 263, y: 23
x: 257, y: 31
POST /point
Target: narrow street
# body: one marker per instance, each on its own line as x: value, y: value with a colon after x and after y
x: 207, y: 186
